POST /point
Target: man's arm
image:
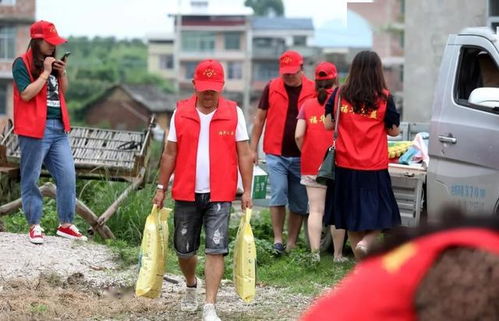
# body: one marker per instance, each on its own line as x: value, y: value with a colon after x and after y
x: 256, y: 133
x: 167, y: 166
x: 245, y: 159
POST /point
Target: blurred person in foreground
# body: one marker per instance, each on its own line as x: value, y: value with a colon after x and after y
x: 206, y: 145
x: 448, y: 271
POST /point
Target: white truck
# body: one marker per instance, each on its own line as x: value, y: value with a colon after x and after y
x: 464, y: 134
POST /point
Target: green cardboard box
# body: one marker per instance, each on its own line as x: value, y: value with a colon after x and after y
x: 259, y: 187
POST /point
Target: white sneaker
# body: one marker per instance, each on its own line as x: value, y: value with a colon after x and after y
x: 189, y: 302
x: 209, y: 313
x: 35, y: 234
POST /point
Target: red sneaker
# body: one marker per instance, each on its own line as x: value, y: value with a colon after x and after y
x: 70, y: 232
x: 35, y: 234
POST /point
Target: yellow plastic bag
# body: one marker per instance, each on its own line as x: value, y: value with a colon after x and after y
x: 153, y: 254
x: 245, y: 260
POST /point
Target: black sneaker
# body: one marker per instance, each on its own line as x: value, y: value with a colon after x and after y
x: 279, y: 249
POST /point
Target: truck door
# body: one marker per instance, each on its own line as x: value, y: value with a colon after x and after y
x: 464, y: 148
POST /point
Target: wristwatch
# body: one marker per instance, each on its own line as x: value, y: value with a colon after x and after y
x: 161, y: 187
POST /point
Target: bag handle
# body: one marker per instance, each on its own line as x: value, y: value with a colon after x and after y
x: 336, y: 105
x: 247, y: 215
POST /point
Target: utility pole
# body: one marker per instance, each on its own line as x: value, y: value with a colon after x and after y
x: 178, y: 45
x: 247, y: 72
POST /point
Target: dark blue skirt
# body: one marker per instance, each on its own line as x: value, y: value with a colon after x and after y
x: 361, y: 201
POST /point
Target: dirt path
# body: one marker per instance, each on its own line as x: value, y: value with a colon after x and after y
x: 67, y: 280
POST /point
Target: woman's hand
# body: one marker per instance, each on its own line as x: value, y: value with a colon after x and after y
x: 59, y: 66
x: 47, y: 64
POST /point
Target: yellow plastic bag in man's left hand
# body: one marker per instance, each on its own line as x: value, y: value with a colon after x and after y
x: 245, y: 260
x: 153, y: 254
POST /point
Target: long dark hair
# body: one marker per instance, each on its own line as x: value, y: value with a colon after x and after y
x: 365, y: 84
x: 38, y: 57
x: 321, y: 87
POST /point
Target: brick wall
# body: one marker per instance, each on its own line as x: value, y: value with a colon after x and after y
x: 22, y: 9
x: 21, y: 15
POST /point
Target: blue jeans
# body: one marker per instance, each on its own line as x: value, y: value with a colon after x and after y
x: 53, y: 151
x: 285, y: 187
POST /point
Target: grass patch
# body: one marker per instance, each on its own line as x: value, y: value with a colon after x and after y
x: 293, y: 271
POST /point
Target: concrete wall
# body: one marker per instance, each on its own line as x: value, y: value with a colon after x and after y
x: 427, y: 26
x: 385, y: 18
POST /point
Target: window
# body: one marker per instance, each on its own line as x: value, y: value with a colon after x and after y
x: 8, y: 2
x: 198, y: 41
x: 165, y: 61
x: 493, y: 8
x: 300, y: 40
x: 3, y: 98
x: 264, y: 71
x: 235, y: 70
x: 476, y: 69
x: 7, y: 42
x: 189, y: 69
x: 232, y: 40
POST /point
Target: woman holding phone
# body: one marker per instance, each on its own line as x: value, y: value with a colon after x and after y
x: 41, y: 121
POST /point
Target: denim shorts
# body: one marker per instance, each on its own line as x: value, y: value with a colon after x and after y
x: 189, y: 218
x: 285, y: 187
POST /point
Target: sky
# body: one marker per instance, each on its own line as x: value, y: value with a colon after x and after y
x: 136, y: 18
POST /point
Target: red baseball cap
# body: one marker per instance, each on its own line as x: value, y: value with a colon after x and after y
x: 290, y: 62
x: 46, y: 30
x: 325, y: 70
x: 209, y: 75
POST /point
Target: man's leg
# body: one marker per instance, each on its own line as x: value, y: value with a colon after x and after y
x: 298, y: 201
x: 187, y: 221
x: 216, y: 227
x: 278, y: 178
x: 188, y: 268
x: 214, y: 270
x: 278, y: 216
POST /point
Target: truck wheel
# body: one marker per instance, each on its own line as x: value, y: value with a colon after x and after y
x: 326, y: 241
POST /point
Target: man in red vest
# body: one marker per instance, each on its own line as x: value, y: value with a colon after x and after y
x: 207, y: 143
x: 277, y: 112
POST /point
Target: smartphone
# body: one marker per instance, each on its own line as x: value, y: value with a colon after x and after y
x: 66, y: 54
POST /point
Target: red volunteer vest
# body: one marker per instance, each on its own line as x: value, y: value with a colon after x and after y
x: 223, y: 151
x: 383, y: 288
x: 30, y: 116
x: 278, y: 110
x: 316, y: 140
x: 362, y: 142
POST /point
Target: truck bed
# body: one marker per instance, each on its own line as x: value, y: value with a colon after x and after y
x: 407, y: 184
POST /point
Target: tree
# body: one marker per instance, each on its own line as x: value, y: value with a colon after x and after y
x: 266, y: 7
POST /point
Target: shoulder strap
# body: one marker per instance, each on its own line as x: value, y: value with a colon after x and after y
x: 337, y: 103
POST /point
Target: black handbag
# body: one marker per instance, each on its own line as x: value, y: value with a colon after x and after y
x: 326, y: 170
